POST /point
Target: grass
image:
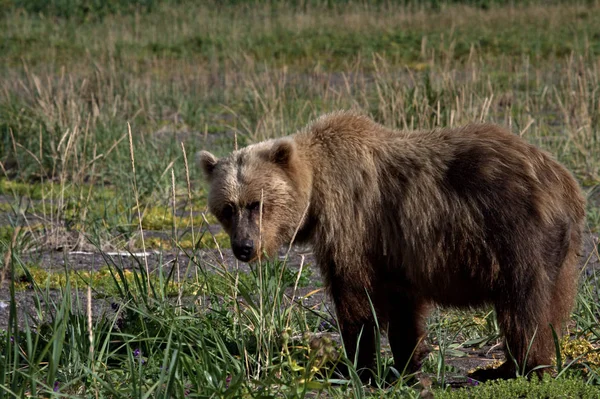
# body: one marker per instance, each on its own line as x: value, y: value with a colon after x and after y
x: 194, y: 75
x: 522, y: 388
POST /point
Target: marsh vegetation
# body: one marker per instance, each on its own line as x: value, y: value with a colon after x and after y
x: 115, y: 280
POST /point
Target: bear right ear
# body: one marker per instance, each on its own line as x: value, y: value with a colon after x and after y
x: 208, y: 162
x: 282, y: 151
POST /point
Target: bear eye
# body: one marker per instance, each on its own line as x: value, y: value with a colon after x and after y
x: 227, y: 211
x: 255, y: 206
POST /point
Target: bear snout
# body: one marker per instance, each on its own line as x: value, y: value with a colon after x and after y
x: 243, y: 249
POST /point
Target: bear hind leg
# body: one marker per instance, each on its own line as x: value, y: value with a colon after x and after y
x: 564, y: 292
x: 528, y: 343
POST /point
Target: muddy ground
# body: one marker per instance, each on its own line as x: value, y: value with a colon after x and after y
x: 85, y: 261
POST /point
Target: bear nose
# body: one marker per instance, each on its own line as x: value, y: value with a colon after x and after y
x: 247, y: 245
x: 244, y: 249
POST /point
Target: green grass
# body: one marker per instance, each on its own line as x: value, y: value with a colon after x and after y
x: 193, y: 75
x: 522, y: 388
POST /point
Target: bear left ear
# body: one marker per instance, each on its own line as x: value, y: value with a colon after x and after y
x: 208, y: 162
x: 282, y: 152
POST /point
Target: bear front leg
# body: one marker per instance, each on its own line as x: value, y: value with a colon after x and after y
x: 356, y: 324
x: 406, y: 333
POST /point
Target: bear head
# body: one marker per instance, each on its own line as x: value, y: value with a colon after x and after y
x: 259, y: 194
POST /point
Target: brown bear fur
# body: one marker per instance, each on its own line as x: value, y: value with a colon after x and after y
x: 457, y: 217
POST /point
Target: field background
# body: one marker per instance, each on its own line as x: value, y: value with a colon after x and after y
x: 103, y: 106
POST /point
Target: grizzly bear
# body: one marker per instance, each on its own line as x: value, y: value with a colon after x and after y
x: 402, y: 220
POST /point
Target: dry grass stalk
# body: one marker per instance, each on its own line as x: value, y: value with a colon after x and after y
x: 138, y: 208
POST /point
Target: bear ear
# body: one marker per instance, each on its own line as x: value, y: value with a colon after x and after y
x: 282, y: 152
x: 208, y: 162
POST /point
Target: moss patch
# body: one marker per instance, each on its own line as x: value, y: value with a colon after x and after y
x: 202, y: 240
x: 581, y: 352
x: 100, y: 280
